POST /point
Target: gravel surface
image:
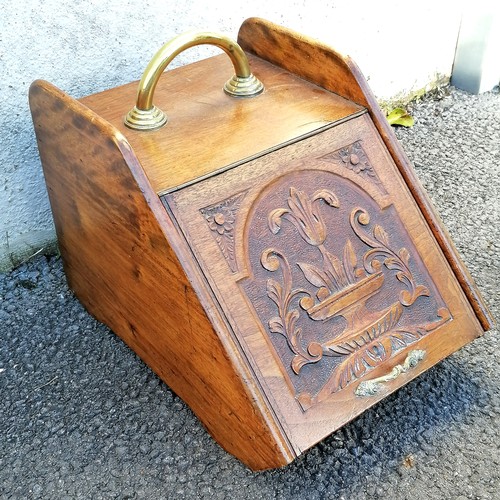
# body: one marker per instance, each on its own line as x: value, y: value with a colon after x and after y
x: 82, y: 417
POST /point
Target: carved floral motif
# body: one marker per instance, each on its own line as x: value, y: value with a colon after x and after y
x: 398, y: 262
x: 221, y: 219
x: 342, y: 287
x: 354, y: 158
x: 303, y: 213
x: 286, y: 322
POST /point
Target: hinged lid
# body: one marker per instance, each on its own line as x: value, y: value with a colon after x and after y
x: 209, y: 130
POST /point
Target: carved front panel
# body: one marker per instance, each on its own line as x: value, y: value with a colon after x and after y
x: 325, y: 274
x: 336, y: 282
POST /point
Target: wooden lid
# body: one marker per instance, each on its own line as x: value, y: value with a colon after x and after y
x: 208, y: 130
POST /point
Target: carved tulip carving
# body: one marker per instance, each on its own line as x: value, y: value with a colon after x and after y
x: 303, y: 213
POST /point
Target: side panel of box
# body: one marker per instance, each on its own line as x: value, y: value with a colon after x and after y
x: 120, y: 254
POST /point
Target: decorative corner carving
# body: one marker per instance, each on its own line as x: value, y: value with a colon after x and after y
x: 221, y: 220
x: 354, y: 158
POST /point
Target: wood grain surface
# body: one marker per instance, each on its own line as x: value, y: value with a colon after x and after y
x: 114, y: 239
x: 207, y: 129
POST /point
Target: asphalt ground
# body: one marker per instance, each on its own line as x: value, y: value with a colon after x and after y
x: 82, y: 417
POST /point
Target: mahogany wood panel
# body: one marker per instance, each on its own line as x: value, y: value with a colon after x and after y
x: 319, y: 63
x: 114, y: 239
x: 207, y: 129
x: 327, y: 271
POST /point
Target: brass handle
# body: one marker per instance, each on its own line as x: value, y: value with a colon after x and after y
x: 374, y: 386
x: 146, y: 116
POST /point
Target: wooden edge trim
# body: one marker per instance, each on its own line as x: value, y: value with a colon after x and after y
x: 320, y: 64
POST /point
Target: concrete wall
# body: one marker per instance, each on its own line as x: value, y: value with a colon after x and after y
x: 84, y: 46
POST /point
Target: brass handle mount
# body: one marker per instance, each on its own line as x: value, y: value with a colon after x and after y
x: 146, y: 116
x: 374, y: 386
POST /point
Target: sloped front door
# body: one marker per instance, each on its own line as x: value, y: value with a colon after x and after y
x: 327, y: 274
